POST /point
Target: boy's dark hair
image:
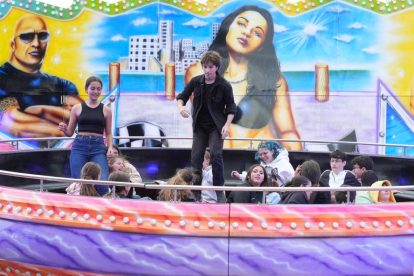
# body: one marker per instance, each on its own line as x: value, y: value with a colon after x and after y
x: 341, y: 196
x: 338, y: 155
x: 368, y: 178
x: 364, y: 161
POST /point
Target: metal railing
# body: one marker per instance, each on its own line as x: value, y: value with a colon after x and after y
x: 251, y: 141
x: 264, y: 190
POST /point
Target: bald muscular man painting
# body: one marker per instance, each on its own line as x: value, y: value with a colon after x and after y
x: 31, y: 101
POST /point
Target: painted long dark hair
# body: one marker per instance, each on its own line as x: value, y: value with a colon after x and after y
x: 263, y: 68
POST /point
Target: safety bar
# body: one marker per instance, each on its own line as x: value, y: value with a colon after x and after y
x: 215, y: 188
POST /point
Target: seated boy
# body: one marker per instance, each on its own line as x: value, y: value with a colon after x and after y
x: 360, y: 164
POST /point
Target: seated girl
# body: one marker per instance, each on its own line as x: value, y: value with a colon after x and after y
x: 256, y: 177
x: 183, y: 177
x: 128, y: 167
x: 297, y: 197
x: 120, y: 191
x: 311, y: 170
x: 90, y: 171
x: 275, y: 159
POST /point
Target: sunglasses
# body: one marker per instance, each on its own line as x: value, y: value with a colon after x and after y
x: 29, y: 37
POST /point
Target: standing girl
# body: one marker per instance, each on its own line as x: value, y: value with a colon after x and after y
x: 93, y: 118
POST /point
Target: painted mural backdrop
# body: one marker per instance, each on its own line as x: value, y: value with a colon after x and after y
x: 315, y: 70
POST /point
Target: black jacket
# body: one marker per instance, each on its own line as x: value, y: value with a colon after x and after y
x: 245, y: 197
x: 221, y: 100
x: 322, y: 197
x: 294, y: 198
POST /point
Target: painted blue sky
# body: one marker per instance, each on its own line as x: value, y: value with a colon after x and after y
x: 343, y: 36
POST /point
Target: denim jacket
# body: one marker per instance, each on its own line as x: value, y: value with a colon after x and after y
x: 221, y: 100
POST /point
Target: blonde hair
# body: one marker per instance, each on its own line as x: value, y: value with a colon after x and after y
x: 168, y: 194
x: 117, y: 177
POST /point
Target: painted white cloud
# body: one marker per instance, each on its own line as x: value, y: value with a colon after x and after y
x: 279, y: 28
x: 195, y: 23
x: 371, y: 50
x: 344, y: 38
x: 357, y: 26
x: 167, y: 12
x: 337, y: 9
x: 118, y: 37
x: 220, y: 15
x: 312, y: 29
x: 142, y: 21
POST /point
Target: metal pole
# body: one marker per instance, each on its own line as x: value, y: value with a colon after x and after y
x: 113, y: 191
x: 41, y: 185
x: 48, y: 144
x: 405, y: 151
x: 348, y: 194
x: 17, y: 145
x: 304, y: 146
x: 251, y: 144
x: 264, y: 198
x: 175, y: 195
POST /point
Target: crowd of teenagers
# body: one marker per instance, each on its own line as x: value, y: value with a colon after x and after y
x: 213, y: 112
x: 272, y: 170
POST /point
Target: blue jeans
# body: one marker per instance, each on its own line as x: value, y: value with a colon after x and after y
x: 89, y: 148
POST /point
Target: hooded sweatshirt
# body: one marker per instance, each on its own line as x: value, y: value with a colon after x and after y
x: 367, y: 197
x: 283, y: 166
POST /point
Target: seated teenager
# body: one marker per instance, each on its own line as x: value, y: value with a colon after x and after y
x: 128, y: 167
x: 384, y: 196
x: 120, y: 191
x: 275, y: 159
x: 311, y: 170
x: 90, y: 171
x: 297, y: 197
x: 360, y: 164
x: 337, y: 176
x: 256, y: 177
x: 182, y: 195
x: 341, y: 197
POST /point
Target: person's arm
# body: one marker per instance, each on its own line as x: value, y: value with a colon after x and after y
x: 70, y: 128
x: 226, y: 128
x: 133, y: 173
x: 108, y: 129
x: 182, y: 99
x: 230, y: 109
x: 286, y: 128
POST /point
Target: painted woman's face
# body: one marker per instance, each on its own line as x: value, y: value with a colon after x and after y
x: 247, y: 33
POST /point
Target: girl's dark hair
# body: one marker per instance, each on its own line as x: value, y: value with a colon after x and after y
x: 90, y: 171
x: 263, y: 69
x: 118, y: 177
x: 265, y: 182
x: 311, y: 170
x: 92, y: 79
x: 297, y: 181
